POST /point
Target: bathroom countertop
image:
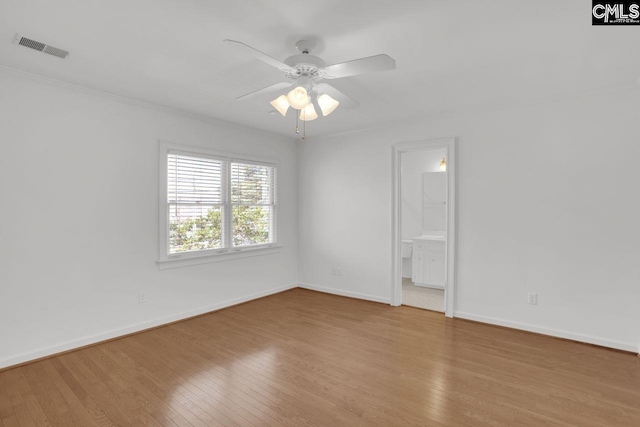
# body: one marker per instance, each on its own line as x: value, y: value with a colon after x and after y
x: 436, y: 238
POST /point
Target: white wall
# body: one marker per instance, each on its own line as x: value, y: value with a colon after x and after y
x: 547, y: 202
x: 413, y: 165
x: 79, y: 219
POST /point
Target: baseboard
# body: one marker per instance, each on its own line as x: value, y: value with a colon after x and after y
x: 558, y: 333
x: 142, y: 326
x: 344, y: 293
x: 136, y: 328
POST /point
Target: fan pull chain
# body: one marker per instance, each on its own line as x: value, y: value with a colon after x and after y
x: 297, y: 129
x: 304, y: 129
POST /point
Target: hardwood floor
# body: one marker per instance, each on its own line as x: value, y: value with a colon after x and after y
x: 305, y: 358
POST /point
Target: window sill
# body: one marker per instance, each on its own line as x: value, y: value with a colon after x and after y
x: 216, y: 257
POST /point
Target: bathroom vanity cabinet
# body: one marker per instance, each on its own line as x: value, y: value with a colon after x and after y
x: 428, y: 263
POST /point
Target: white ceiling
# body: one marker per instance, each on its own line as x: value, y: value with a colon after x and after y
x: 451, y: 55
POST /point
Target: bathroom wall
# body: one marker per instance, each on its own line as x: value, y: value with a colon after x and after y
x: 413, y: 165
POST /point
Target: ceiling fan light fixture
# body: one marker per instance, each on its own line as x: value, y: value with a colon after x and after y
x: 327, y: 104
x: 309, y: 94
x: 281, y: 104
x: 298, y: 98
x: 308, y: 113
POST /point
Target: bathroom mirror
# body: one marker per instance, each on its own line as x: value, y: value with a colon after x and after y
x: 434, y: 196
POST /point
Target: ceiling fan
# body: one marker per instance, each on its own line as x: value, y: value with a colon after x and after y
x: 304, y: 89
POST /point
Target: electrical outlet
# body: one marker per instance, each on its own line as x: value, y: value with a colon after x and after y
x: 339, y: 271
x: 532, y: 298
x: 334, y: 271
x: 142, y: 297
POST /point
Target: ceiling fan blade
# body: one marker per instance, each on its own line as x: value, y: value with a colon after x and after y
x: 259, y: 55
x: 370, y: 64
x: 264, y: 90
x: 344, y: 100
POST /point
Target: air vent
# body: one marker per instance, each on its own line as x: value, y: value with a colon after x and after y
x: 41, y: 47
x: 32, y: 44
x: 60, y: 53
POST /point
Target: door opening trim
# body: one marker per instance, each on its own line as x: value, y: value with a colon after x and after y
x: 449, y: 144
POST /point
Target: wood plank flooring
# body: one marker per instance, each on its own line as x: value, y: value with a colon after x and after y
x: 303, y: 358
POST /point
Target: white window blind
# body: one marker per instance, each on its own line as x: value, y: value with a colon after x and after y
x: 195, y: 195
x: 193, y: 180
x: 215, y: 204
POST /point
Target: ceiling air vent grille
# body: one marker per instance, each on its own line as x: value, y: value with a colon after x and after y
x: 41, y: 47
x: 60, y: 53
x: 32, y: 44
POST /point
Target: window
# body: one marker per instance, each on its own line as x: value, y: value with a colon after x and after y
x: 195, y: 198
x: 213, y: 204
x: 253, y: 203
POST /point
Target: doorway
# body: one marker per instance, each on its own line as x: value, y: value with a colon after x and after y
x: 424, y: 232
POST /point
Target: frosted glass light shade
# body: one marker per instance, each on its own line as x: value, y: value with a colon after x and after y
x: 308, y: 113
x: 298, y: 98
x: 443, y: 165
x: 327, y: 104
x: 281, y: 104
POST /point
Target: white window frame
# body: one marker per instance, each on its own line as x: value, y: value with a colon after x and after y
x: 167, y: 260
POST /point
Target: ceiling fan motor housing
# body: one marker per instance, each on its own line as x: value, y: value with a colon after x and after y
x: 304, y: 65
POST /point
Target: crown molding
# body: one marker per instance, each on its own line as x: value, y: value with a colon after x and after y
x: 482, y: 109
x: 143, y: 104
x: 489, y: 108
